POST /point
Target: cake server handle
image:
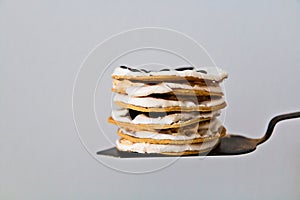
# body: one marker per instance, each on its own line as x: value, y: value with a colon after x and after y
x: 274, y: 121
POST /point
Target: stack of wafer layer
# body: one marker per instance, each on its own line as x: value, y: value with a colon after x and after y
x: 169, y: 111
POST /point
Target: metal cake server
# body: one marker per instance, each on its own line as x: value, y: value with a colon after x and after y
x: 230, y: 144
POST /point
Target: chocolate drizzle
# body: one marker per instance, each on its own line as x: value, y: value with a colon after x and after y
x: 202, y: 71
x: 131, y: 69
x: 184, y: 68
x: 177, y: 69
x: 146, y: 71
x: 124, y: 67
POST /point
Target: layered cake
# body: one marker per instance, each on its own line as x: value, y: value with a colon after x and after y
x: 169, y: 111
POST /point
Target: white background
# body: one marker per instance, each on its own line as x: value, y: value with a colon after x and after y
x: 42, y: 44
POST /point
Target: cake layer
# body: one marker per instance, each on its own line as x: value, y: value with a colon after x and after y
x: 153, y: 127
x: 138, y: 89
x: 158, y: 138
x: 126, y: 145
x: 198, y: 130
x: 152, y: 104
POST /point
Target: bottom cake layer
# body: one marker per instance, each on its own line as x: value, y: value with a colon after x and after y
x: 169, y: 149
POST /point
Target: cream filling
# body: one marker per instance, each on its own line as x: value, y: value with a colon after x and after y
x: 160, y: 136
x: 122, y: 115
x: 213, y: 73
x: 126, y: 145
x: 152, y: 102
x: 141, y: 89
x: 137, y: 91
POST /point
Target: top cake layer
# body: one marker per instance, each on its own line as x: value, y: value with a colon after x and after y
x: 182, y: 73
